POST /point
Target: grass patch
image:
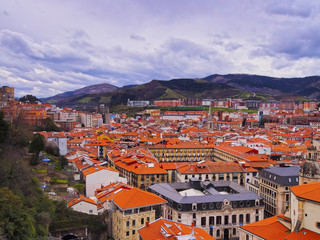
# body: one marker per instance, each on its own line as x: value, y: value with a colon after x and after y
x: 248, y: 111
x: 55, y: 180
x: 171, y: 94
x: 43, y: 170
x: 105, y: 100
x: 84, y: 100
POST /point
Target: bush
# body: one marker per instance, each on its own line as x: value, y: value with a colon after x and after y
x: 34, y: 160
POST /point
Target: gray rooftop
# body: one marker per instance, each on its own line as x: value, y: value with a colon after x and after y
x: 213, y: 191
x: 283, y: 175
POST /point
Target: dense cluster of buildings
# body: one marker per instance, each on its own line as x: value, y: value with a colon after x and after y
x: 205, y: 175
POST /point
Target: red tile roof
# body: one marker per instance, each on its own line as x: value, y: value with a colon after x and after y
x: 269, y: 228
x: 310, y: 191
x: 80, y: 199
x: 134, y: 197
x: 163, y: 229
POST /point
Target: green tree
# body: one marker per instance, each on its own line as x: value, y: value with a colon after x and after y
x: 79, y: 187
x: 29, y: 99
x: 37, y: 143
x: 4, y: 128
x: 52, y: 149
x: 63, y: 161
x: 16, y: 222
x: 50, y: 126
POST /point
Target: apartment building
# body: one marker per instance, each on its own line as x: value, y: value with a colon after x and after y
x: 274, y: 188
x: 300, y: 221
x: 212, y: 171
x: 132, y: 209
x: 218, y: 207
x: 182, y: 152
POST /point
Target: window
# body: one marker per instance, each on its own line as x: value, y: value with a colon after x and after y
x: 234, y: 219
x: 257, y: 211
x: 218, y: 233
x: 241, y: 218
x: 128, y: 223
x: 226, y: 220
x: 133, y: 232
x: 257, y: 218
x: 194, y: 206
x: 211, y: 221
x: 318, y: 225
x: 148, y: 219
x: 142, y: 220
x: 203, y: 221
x: 221, y: 176
x: 127, y: 233
x: 218, y: 220
x: 247, y: 237
x: 287, y: 197
x: 194, y: 215
x: 248, y: 218
x: 179, y: 215
x: 90, y: 211
x: 133, y: 222
x: 234, y: 231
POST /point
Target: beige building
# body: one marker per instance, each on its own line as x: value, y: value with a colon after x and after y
x: 274, y: 188
x: 300, y: 222
x: 219, y: 207
x: 212, y: 171
x: 182, y: 152
x: 132, y: 209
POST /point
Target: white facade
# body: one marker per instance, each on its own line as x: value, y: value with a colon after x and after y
x: 262, y: 149
x: 85, y: 207
x: 61, y: 142
x: 86, y: 119
x: 101, y: 178
x: 181, y: 117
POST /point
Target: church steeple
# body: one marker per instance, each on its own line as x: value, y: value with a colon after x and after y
x: 310, y: 169
x: 210, y: 120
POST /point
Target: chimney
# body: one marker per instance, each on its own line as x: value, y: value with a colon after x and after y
x: 147, y: 224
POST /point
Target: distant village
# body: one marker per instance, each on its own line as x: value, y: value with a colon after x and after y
x: 193, y: 171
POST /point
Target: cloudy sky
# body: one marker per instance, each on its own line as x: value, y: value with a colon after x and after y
x: 49, y: 46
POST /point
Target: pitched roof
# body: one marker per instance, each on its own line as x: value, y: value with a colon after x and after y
x: 310, y: 191
x: 134, y: 197
x: 91, y: 170
x: 80, y: 199
x: 269, y: 228
x: 163, y: 229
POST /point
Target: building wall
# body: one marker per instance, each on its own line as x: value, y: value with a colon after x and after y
x: 248, y: 236
x: 143, y: 181
x: 237, y: 177
x: 276, y: 197
x: 307, y: 212
x: 181, y: 154
x: 125, y: 226
x: 101, y: 178
x: 61, y: 143
x: 85, y: 207
x: 222, y: 156
x: 255, y: 213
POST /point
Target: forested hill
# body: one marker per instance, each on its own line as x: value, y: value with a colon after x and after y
x: 214, y: 86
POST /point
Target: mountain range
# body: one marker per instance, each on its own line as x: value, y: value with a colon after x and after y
x: 214, y: 87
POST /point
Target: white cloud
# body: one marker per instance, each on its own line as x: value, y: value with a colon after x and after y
x: 48, y: 48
